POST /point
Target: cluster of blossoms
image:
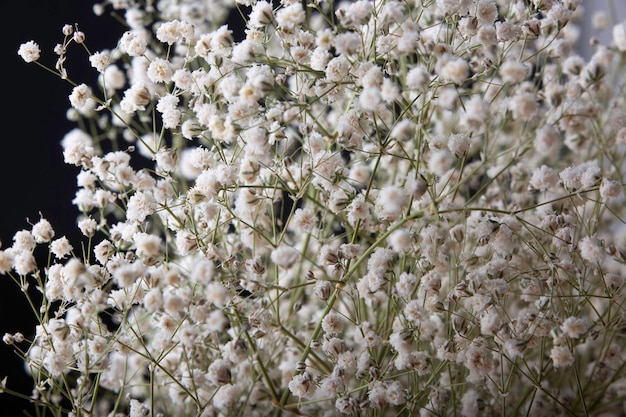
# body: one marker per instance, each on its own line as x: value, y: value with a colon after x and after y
x: 359, y: 208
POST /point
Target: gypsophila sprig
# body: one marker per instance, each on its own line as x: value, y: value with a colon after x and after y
x: 357, y: 208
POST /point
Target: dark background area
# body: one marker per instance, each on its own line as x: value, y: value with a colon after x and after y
x: 33, y: 176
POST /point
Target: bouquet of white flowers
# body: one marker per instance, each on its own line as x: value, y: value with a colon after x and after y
x: 366, y: 208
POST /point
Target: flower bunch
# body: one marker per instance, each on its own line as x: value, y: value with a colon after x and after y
x: 357, y: 208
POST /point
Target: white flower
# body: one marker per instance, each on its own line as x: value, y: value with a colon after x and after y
x: 175, y: 31
x: 401, y: 241
x: 389, y: 91
x: 459, y: 144
x: 486, y: 12
x: 140, y: 205
x: 61, y: 247
x: 591, y: 250
x: 261, y: 15
x: 301, y: 386
x: 332, y: 323
x: 153, y: 300
x: 337, y: 69
x: 81, y: 96
x: 219, y: 372
x: 303, y: 219
x: 455, y: 70
x: 42, y: 231
x: 470, y: 404
x: 574, y: 327
x: 290, y: 17
x: 544, y: 178
x: 24, y: 262
x: 396, y: 394
x: 100, y: 60
x: 418, y: 78
x: 523, y: 106
x: 148, y: 247
x: 601, y: 20
x: 348, y: 43
x: 227, y: 396
x: 171, y: 115
x: 561, y: 357
x: 138, y: 409
x: 619, y: 36
x: 135, y: 98
x: 285, y: 256
x: 390, y: 203
x: 159, y: 71
x: 133, y: 44
x: 103, y: 251
x: 513, y: 71
x: 29, y: 51
x: 113, y: 78
x: 24, y: 241
x: 87, y: 226
x: 547, y: 140
x: 370, y: 98
x: 440, y: 161
x: 610, y: 189
x: 6, y: 261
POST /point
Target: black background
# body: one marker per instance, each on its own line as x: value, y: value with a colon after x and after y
x: 33, y: 175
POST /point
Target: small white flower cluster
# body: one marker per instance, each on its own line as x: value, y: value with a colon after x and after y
x: 365, y: 208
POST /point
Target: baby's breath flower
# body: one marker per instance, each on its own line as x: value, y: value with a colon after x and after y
x: 514, y: 72
x: 561, y: 357
x: 591, y: 250
x: 301, y: 386
x: 133, y: 44
x: 290, y: 17
x: 321, y: 211
x: 285, y: 256
x: 332, y: 323
x: 227, y: 396
x: 619, y: 36
x: 140, y: 205
x: 24, y: 241
x: 80, y: 97
x: 42, y: 231
x: 574, y: 327
x: 454, y: 69
x: 159, y: 71
x: 61, y: 247
x: 6, y: 261
x: 440, y: 162
x: 113, y: 78
x: 24, y: 262
x: 543, y: 178
x: 337, y: 69
x: 29, y: 51
x: 103, y: 251
x: 78, y: 36
x: 138, y: 409
x: 135, y: 98
x: 524, y: 106
x: 610, y: 189
x: 87, y: 226
x: 458, y: 144
x: 261, y: 15
x: 100, y: 60
x: 471, y: 404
